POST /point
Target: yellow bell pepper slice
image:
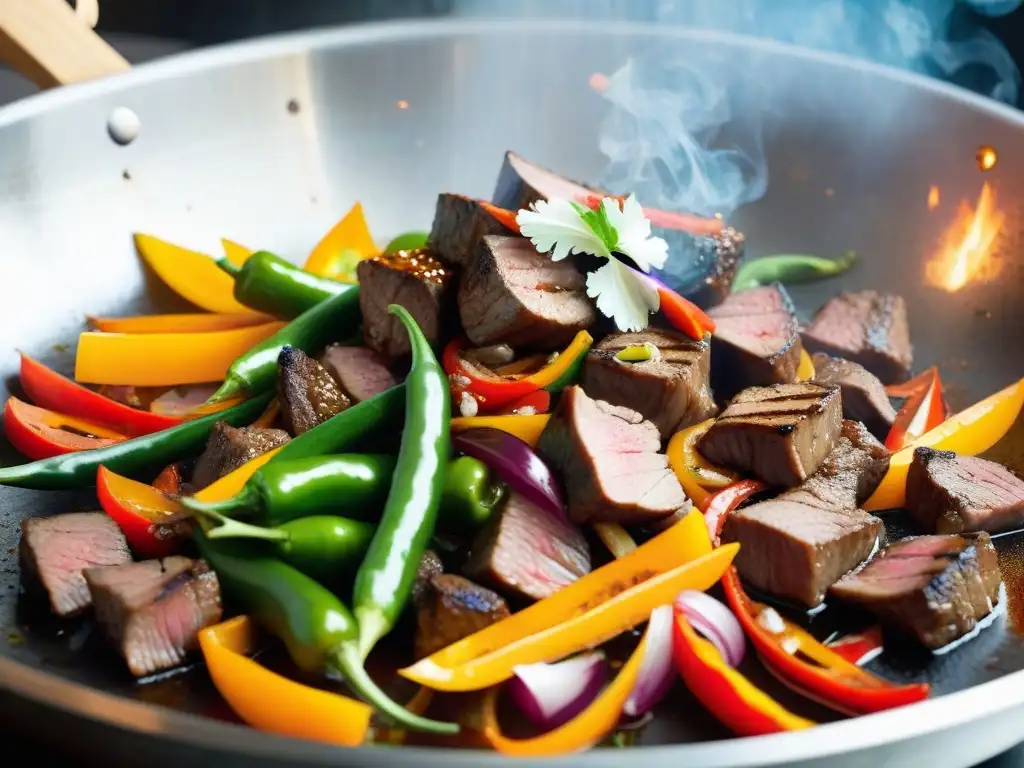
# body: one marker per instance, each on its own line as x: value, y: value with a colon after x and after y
x: 199, y: 322
x: 328, y: 258
x: 696, y: 474
x: 969, y: 433
x: 615, y: 538
x: 232, y: 482
x: 269, y: 702
x: 164, y: 359
x: 236, y: 253
x: 526, y: 428
x: 190, y: 274
x: 805, y: 371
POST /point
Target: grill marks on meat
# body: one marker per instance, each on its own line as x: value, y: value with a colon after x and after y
x: 451, y: 607
x: 867, y: 327
x: 608, y: 458
x: 948, y: 493
x: 459, y: 224
x: 55, y: 550
x: 153, y: 610
x: 934, y: 587
x: 526, y: 552
x: 517, y: 296
x: 360, y: 371
x: 308, y: 394
x: 417, y: 281
x: 780, y: 434
x: 672, y: 390
x: 229, y: 448
x: 864, y: 397
x: 756, y: 340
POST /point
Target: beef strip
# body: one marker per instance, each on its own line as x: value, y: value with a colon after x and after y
x: 756, y: 342
x: 430, y: 565
x: 526, y: 552
x: 459, y: 224
x: 452, y: 607
x: 308, y: 394
x: 864, y: 397
x: 671, y: 389
x: 947, y: 493
x: 517, y: 296
x: 934, y: 587
x: 153, y: 610
x: 417, y: 281
x: 608, y: 458
x: 522, y: 183
x: 229, y: 448
x: 867, y: 327
x: 360, y: 371
x: 55, y: 550
x: 779, y: 434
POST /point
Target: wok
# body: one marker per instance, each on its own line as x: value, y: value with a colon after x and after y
x: 852, y: 150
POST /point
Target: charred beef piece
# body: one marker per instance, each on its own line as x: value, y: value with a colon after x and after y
x: 516, y: 296
x: 722, y: 252
x: 867, y: 327
x: 417, y: 281
x: 55, y: 550
x: 526, y: 552
x: 430, y: 566
x: 609, y: 460
x: 934, y: 587
x: 779, y: 434
x: 849, y: 474
x: 308, y: 394
x: 153, y: 611
x: 452, y: 607
x: 522, y: 183
x: 459, y: 224
x: 229, y: 448
x: 755, y: 342
x: 864, y: 397
x: 947, y: 493
x: 672, y: 389
x: 359, y: 371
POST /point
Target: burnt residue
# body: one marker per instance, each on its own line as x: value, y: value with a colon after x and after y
x: 293, y: 106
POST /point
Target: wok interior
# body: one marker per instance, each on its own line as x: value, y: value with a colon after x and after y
x: 221, y: 155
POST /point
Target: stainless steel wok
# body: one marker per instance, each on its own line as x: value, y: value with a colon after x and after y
x: 852, y: 152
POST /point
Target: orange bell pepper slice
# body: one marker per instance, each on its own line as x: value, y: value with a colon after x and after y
x: 503, y: 216
x: 970, y: 432
x: 526, y: 428
x: 164, y: 359
x: 269, y: 702
x: 192, y: 275
x: 199, y: 322
x: 236, y: 253
x: 41, y: 434
x: 349, y: 234
x: 696, y: 474
x: 805, y: 371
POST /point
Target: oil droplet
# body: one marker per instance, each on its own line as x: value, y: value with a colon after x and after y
x: 829, y: 192
x: 933, y: 198
x: 986, y: 157
x: 402, y: 104
x: 123, y: 125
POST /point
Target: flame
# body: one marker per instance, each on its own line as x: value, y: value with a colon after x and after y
x: 986, y: 157
x: 933, y: 198
x: 967, y: 252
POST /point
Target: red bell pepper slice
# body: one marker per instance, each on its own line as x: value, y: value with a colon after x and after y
x: 860, y: 647
x: 923, y: 411
x: 539, y: 401
x: 154, y: 524
x: 684, y: 315
x: 505, y: 217
x: 48, y: 389
x: 169, y: 480
x: 41, y: 434
x: 718, y: 506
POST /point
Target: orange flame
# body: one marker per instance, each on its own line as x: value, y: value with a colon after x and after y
x: 968, y: 247
x: 986, y: 157
x: 933, y: 198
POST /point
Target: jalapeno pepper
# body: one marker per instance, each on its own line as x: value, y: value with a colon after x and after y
x: 139, y: 457
x: 790, y: 268
x: 40, y: 434
x: 384, y: 581
x: 471, y: 496
x: 314, y: 625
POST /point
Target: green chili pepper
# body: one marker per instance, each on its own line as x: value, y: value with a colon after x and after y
x: 256, y: 370
x: 315, y: 626
x: 408, y: 241
x: 470, y: 496
x: 790, y: 268
x: 384, y: 581
x: 571, y: 374
x: 140, y: 458
x: 270, y: 284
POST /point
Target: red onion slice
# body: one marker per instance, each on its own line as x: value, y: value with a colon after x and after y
x: 716, y: 622
x: 550, y: 695
x: 656, y: 671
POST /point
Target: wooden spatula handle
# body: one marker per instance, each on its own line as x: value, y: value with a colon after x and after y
x: 48, y: 43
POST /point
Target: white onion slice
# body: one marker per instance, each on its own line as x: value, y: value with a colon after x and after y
x: 551, y: 695
x: 716, y: 622
x: 656, y: 671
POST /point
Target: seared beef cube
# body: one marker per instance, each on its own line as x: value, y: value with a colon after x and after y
x: 527, y: 552
x: 609, y: 460
x: 864, y: 397
x: 722, y: 251
x: 521, y: 183
x: 229, y: 448
x: 430, y: 566
x: 756, y: 342
x: 153, y: 611
x: 360, y: 371
x: 934, y: 587
x: 671, y: 389
x: 417, y: 281
x: 796, y: 551
x: 947, y: 493
x: 517, y: 296
x: 459, y: 224
x: 849, y: 474
x: 453, y: 607
x: 867, y: 327
x: 308, y: 394
x: 779, y: 434
x: 55, y: 550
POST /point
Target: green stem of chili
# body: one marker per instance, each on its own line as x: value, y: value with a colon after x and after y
x: 790, y: 268
x: 227, y: 528
x: 385, y: 579
x: 228, y: 266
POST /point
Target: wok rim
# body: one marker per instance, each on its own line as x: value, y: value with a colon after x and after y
x: 908, y: 723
